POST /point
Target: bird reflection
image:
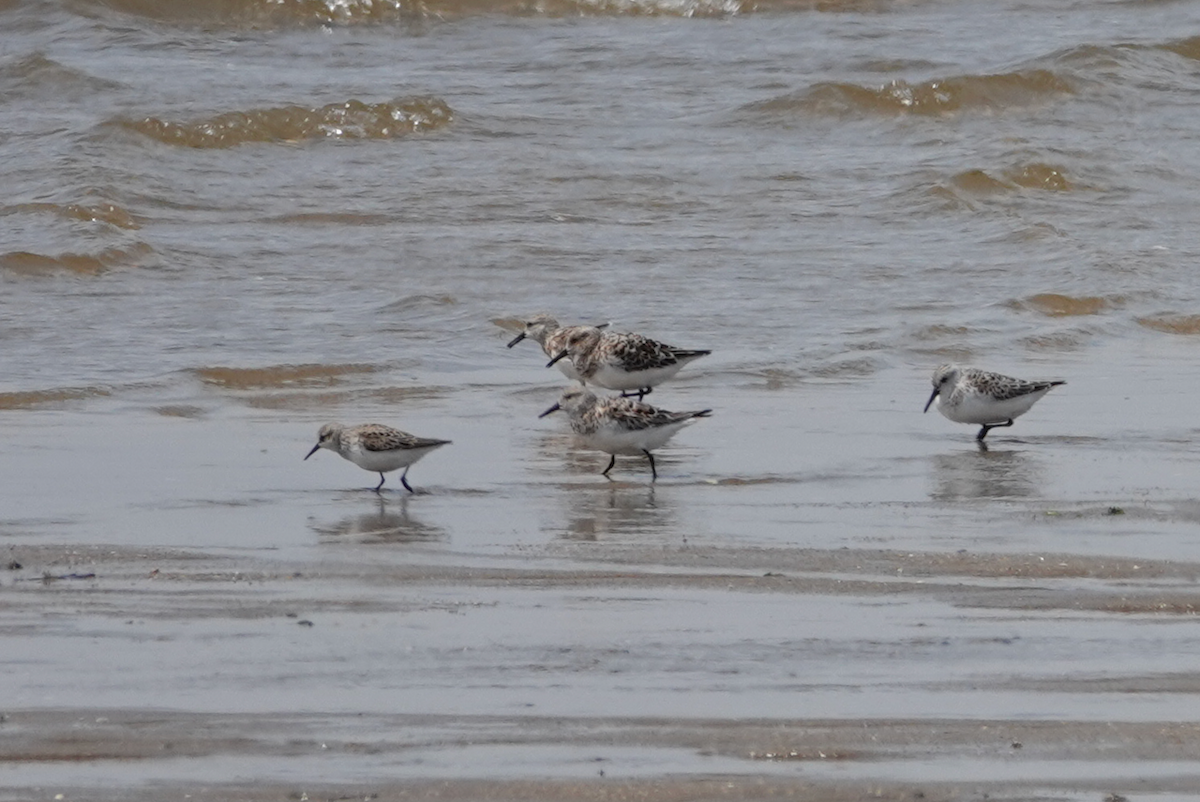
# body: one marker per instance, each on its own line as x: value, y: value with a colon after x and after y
x: 383, y: 525
x: 616, y: 509
x: 985, y: 474
x: 559, y: 454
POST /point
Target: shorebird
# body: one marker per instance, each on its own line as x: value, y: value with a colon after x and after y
x: 374, y: 447
x: 991, y: 400
x: 621, y: 425
x: 546, y: 332
x: 630, y: 363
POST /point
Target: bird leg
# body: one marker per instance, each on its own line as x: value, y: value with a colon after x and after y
x: 653, y: 470
x: 404, y: 481
x: 382, y: 479
x: 611, y: 462
x: 987, y: 427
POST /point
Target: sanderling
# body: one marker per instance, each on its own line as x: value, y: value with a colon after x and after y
x: 970, y: 395
x: 621, y: 425
x: 630, y: 363
x: 376, y: 448
x: 546, y: 331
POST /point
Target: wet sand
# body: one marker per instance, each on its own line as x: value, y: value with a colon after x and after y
x: 394, y: 668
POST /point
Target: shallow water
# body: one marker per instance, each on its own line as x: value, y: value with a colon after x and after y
x: 225, y: 224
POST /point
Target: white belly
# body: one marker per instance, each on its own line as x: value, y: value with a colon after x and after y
x: 612, y: 440
x: 613, y: 378
x: 384, y: 461
x: 983, y: 409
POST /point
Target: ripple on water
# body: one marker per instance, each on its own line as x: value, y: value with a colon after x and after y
x: 373, y: 396
x: 1172, y: 323
x: 314, y: 375
x: 963, y: 93
x: 57, y: 396
x: 1071, y: 340
x: 84, y: 264
x: 309, y: 387
x: 102, y: 212
x: 1022, y: 176
x: 271, y: 13
x: 35, y: 75
x: 1055, y: 305
x: 352, y: 119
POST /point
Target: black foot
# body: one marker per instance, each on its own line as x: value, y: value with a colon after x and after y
x: 404, y: 482
x: 987, y: 427
x: 611, y: 462
x: 653, y: 470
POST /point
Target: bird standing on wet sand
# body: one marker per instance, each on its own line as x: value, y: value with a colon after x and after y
x: 621, y: 425
x: 630, y: 363
x: 546, y: 332
x: 992, y: 400
x: 374, y: 447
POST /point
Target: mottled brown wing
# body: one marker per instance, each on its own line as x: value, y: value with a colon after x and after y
x: 1003, y: 388
x: 641, y: 353
x: 631, y: 414
x: 376, y: 437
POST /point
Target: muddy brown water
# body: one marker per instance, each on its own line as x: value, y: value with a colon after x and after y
x: 223, y: 224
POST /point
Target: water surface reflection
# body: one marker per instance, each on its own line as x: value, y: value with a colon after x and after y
x: 985, y: 473
x: 617, y: 509
x: 389, y: 522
